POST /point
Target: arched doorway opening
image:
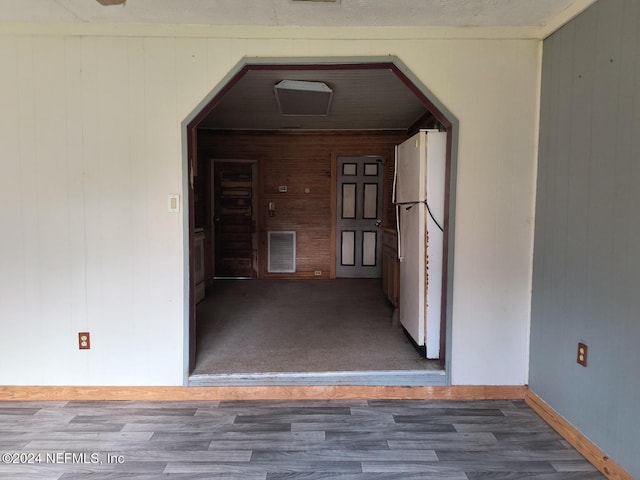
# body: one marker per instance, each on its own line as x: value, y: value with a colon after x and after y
x: 377, y: 103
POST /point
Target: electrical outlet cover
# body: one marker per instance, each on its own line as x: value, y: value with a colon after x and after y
x: 582, y: 354
x: 84, y: 340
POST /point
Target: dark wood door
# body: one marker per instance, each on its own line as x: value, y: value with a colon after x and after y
x: 234, y: 219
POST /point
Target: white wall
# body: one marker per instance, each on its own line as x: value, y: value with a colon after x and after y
x: 90, y: 147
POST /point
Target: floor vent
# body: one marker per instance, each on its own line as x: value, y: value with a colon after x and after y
x: 282, y: 252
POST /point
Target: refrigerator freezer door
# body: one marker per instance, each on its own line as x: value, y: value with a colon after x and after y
x: 410, y: 187
x: 420, y: 176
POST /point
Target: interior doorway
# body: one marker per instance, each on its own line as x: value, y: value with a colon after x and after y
x: 435, y: 115
x: 235, y: 246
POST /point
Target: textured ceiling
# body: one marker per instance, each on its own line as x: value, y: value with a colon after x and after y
x: 438, y: 13
x: 362, y: 99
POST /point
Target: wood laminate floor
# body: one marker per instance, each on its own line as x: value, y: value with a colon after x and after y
x: 350, y: 440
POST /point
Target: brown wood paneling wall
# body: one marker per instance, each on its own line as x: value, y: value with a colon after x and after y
x: 301, y: 160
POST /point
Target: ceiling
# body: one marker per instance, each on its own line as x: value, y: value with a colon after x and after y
x: 362, y: 99
x: 371, y: 99
x: 437, y: 13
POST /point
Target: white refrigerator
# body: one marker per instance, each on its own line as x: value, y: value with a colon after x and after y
x: 419, y: 189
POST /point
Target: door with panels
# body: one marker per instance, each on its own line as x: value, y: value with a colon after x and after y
x: 234, y: 219
x: 359, y: 213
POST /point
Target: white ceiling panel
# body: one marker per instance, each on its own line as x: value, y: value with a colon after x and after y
x: 362, y: 100
x: 439, y: 13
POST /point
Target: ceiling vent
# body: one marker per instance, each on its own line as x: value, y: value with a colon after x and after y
x: 300, y: 97
x: 112, y: 2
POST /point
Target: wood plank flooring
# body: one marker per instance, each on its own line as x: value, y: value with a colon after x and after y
x: 278, y: 440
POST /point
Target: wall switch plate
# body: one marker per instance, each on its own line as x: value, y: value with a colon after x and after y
x: 174, y: 203
x: 84, y: 340
x: 582, y: 354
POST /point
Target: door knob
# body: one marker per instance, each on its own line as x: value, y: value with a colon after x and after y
x: 378, y: 223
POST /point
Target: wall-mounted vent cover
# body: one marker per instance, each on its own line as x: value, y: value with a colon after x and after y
x: 282, y: 252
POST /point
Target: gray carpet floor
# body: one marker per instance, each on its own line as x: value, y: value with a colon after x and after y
x: 262, y: 326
